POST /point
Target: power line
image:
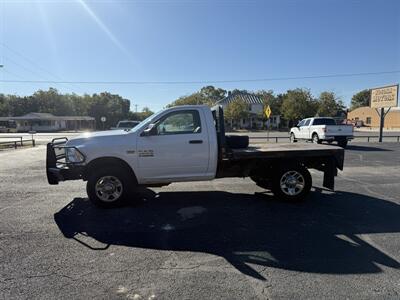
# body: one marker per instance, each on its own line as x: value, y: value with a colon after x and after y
x: 29, y: 60
x: 205, y: 81
x: 10, y: 73
x: 23, y: 67
x: 37, y: 66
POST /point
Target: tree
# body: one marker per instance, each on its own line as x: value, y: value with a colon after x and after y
x: 192, y: 99
x: 236, y: 110
x: 146, y: 112
x: 298, y: 104
x: 4, y: 105
x: 329, y: 104
x: 207, y: 95
x: 274, y: 102
x: 113, y: 107
x: 360, y: 99
x: 212, y: 94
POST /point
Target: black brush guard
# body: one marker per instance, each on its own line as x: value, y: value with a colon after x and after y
x: 57, y: 168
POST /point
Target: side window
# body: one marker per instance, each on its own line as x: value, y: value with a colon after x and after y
x: 301, y: 123
x: 307, y: 122
x: 180, y: 122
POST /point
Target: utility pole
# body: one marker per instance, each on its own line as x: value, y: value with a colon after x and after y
x: 136, y: 107
x: 382, y: 124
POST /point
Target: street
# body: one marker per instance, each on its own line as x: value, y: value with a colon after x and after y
x: 223, y: 239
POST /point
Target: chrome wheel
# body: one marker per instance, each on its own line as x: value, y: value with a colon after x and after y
x: 292, y: 138
x: 108, y: 188
x: 292, y: 183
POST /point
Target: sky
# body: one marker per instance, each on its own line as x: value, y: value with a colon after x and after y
x: 203, y: 41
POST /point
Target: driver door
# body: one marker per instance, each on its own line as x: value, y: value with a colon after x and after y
x: 176, y: 149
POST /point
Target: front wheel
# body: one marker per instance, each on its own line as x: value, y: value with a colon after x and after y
x: 109, y: 187
x: 292, y: 183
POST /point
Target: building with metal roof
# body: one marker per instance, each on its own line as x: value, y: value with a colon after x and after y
x: 255, y: 111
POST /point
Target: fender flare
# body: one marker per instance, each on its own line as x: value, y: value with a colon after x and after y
x: 108, y: 161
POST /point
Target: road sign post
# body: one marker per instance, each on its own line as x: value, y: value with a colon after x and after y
x: 381, y: 98
x: 103, y: 120
x: 267, y: 113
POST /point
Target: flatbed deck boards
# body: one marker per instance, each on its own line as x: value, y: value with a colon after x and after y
x: 290, y: 150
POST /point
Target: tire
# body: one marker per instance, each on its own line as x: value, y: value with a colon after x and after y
x: 315, y: 139
x: 292, y: 138
x: 109, y: 187
x: 342, y: 143
x: 291, y: 183
x: 237, y: 141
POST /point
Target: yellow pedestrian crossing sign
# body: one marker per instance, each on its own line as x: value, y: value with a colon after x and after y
x: 268, y: 111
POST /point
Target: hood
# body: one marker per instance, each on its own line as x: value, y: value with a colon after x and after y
x: 89, y: 137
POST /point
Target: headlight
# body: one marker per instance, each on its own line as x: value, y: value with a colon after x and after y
x: 73, y: 155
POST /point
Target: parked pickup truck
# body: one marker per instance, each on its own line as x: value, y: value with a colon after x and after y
x: 125, y: 125
x: 321, y: 129
x: 185, y: 143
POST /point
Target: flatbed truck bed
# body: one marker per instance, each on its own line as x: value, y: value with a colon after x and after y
x: 290, y: 151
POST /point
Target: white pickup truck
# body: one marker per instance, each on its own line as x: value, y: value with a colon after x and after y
x: 321, y: 129
x: 184, y: 143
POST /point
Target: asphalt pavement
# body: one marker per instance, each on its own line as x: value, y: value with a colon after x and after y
x: 222, y: 239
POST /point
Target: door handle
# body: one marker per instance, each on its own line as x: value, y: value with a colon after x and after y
x: 196, y: 142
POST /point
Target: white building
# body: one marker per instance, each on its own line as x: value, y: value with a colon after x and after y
x: 255, y: 110
x: 45, y: 122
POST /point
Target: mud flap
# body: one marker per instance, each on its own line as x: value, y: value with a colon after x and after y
x: 330, y: 172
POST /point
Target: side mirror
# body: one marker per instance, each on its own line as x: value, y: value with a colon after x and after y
x: 150, y: 130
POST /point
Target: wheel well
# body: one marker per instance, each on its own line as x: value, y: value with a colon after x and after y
x: 107, y: 161
x: 314, y: 133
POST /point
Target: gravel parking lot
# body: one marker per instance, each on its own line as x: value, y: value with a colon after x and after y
x: 206, y: 240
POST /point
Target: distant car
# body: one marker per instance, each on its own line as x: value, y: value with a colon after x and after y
x: 125, y: 125
x: 321, y: 129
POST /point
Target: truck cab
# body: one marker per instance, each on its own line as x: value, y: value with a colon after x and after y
x: 183, y: 143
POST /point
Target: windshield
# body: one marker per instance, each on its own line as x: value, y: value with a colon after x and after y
x: 146, y: 121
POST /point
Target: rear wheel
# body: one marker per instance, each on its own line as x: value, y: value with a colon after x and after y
x: 292, y: 183
x: 109, y: 187
x: 315, y: 139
